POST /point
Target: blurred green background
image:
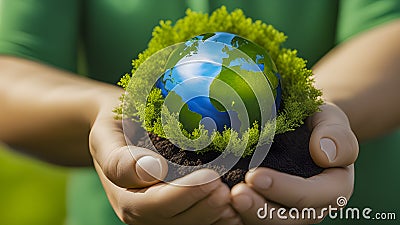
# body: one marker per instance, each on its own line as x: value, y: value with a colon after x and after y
x: 31, y: 192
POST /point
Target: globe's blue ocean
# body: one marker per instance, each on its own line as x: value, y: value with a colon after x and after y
x: 192, y: 71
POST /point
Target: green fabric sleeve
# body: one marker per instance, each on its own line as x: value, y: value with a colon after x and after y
x: 356, y: 16
x: 40, y: 30
x: 376, y: 169
x: 87, y: 202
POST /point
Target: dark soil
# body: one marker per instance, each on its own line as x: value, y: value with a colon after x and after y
x: 289, y: 153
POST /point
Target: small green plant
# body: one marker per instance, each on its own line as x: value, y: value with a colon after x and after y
x: 300, y: 97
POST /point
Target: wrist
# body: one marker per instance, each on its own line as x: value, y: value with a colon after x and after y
x: 102, y: 99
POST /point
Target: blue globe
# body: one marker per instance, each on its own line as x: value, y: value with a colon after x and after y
x: 202, y: 74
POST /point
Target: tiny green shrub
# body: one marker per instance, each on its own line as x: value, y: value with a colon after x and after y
x: 300, y: 97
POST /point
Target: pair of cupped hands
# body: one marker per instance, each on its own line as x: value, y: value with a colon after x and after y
x: 128, y: 177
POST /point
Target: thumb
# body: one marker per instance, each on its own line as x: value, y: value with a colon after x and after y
x: 125, y: 165
x: 332, y: 142
x: 134, y: 167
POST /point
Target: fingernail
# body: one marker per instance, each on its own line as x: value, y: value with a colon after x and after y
x: 252, y: 170
x: 329, y: 147
x: 237, y: 221
x: 228, y: 213
x: 242, y: 203
x: 263, y: 183
x: 148, y: 168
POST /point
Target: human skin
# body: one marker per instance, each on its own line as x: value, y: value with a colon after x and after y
x: 281, y: 190
x: 361, y: 76
x: 60, y: 117
x: 66, y: 119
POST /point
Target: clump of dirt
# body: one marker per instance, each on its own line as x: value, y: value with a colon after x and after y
x: 289, y: 153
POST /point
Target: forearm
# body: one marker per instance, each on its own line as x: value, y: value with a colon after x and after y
x: 48, y: 112
x: 362, y: 76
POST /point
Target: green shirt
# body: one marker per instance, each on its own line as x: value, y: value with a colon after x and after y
x: 99, y: 38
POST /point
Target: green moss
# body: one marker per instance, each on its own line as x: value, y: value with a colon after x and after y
x: 300, y: 97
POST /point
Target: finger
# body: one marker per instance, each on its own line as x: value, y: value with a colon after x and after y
x: 174, y: 199
x: 208, y: 210
x: 332, y: 142
x: 125, y: 166
x: 229, y: 221
x: 125, y: 212
x: 293, y: 191
x: 256, y: 210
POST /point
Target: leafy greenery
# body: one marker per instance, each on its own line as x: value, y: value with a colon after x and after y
x: 300, y: 97
x: 32, y: 192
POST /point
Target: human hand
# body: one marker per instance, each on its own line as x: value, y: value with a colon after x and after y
x: 131, y: 178
x: 169, y: 204
x: 332, y: 146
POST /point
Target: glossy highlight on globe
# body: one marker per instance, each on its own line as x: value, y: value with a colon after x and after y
x: 193, y: 69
